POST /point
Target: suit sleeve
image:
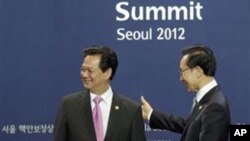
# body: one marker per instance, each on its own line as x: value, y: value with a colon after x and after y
x: 138, y: 132
x: 159, y: 120
x: 60, y: 130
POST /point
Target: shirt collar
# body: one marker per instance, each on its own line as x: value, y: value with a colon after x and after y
x: 202, y: 92
x: 106, y: 96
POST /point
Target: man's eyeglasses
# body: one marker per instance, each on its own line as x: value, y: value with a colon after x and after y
x: 181, y: 71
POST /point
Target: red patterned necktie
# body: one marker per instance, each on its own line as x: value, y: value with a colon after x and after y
x: 97, y: 118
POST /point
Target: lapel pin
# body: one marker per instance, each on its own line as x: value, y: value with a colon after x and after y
x: 117, y: 107
x: 200, y: 107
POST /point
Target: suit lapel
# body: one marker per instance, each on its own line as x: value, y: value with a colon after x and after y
x: 115, y: 111
x: 86, y: 120
x: 197, y: 109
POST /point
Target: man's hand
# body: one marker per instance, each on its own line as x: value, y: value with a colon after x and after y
x: 146, y: 108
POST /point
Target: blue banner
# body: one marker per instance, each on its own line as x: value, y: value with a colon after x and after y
x: 41, y: 43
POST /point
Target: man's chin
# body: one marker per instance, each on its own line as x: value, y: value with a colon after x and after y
x: 87, y: 86
x: 189, y: 89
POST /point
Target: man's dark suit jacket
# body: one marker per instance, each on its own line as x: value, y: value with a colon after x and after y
x: 209, y: 120
x: 74, y: 120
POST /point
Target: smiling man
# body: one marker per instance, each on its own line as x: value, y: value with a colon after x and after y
x: 98, y: 113
x: 210, y: 116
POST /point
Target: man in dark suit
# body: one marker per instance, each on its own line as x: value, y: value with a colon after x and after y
x: 112, y: 118
x: 210, y: 117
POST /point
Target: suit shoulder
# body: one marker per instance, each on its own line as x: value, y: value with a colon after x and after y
x: 219, y: 98
x: 74, y: 96
x: 128, y: 101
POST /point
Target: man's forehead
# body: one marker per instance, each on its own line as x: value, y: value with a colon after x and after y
x: 183, y: 61
x: 91, y: 60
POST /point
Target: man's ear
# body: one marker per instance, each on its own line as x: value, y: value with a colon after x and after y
x: 198, y: 71
x: 108, y: 73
